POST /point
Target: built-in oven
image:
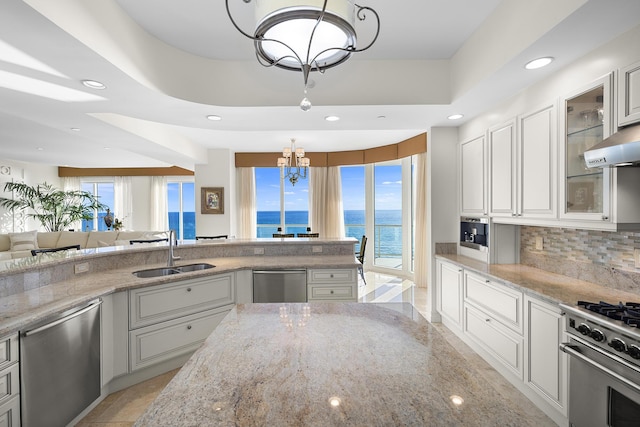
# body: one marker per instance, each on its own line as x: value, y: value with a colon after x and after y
x: 474, y: 233
x: 604, y: 367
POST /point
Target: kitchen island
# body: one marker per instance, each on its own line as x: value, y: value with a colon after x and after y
x: 330, y: 364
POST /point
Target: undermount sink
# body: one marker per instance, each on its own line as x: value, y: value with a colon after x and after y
x: 166, y: 271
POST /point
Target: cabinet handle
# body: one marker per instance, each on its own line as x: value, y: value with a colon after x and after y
x: 188, y: 289
x: 331, y: 275
x: 605, y: 218
x: 513, y: 214
x: 487, y: 281
x: 188, y: 326
x: 487, y: 320
x: 332, y: 292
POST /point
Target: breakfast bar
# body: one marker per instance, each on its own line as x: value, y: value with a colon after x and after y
x: 330, y: 364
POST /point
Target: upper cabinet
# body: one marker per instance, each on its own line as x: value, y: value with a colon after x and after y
x: 502, y: 166
x: 473, y: 189
x: 537, y: 136
x: 586, y: 120
x: 629, y: 95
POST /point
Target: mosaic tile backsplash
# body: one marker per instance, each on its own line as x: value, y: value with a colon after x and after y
x: 602, y: 257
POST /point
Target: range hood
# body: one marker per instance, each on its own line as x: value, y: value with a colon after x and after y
x: 621, y: 148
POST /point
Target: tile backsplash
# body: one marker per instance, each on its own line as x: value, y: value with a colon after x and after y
x: 602, y: 257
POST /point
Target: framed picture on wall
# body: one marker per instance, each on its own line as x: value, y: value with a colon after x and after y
x: 212, y: 200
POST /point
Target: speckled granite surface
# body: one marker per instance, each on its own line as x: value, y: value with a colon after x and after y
x: 555, y: 288
x: 385, y: 368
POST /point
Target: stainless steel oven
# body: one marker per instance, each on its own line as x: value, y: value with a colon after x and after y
x: 604, y: 368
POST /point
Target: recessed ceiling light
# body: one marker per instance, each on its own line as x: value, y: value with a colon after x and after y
x: 40, y: 149
x: 214, y: 118
x: 382, y: 117
x: 332, y: 118
x: 538, y: 63
x: 107, y: 148
x: 75, y: 129
x: 94, y: 84
x: 455, y: 116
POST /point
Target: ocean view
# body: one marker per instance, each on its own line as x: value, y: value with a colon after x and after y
x: 388, y: 226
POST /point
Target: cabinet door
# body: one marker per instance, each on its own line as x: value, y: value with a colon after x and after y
x: 449, y: 292
x: 472, y: 182
x: 537, y: 158
x: 502, y: 164
x: 546, y: 365
x: 629, y: 95
x: 586, y: 120
x: 502, y: 302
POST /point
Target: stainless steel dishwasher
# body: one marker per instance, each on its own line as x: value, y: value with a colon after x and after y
x: 280, y: 286
x: 60, y: 366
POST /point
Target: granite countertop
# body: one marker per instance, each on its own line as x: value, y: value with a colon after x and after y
x: 283, y: 364
x: 24, y: 308
x: 555, y: 288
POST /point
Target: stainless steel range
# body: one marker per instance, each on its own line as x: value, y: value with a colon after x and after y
x: 604, y: 364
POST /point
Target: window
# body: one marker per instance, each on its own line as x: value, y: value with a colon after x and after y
x: 388, y: 236
x: 181, y: 204
x: 353, y: 191
x: 104, y: 191
x: 280, y: 204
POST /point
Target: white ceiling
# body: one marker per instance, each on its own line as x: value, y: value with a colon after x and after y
x: 168, y: 64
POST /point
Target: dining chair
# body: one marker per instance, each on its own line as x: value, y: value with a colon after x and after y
x: 49, y: 250
x: 308, y: 235
x: 221, y: 236
x: 360, y: 257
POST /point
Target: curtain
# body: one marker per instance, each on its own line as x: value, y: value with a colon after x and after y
x: 159, y: 217
x: 123, y: 200
x: 325, y: 202
x: 247, y: 215
x: 421, y: 260
x: 72, y: 183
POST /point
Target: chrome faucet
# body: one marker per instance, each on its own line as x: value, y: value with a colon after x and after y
x: 172, y: 241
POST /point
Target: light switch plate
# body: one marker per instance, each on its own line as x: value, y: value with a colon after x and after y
x: 81, y: 268
x: 539, y: 245
x: 258, y: 251
x: 316, y: 249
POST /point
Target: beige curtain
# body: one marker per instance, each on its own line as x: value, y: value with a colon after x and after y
x: 123, y: 200
x: 246, y: 193
x: 158, y: 214
x: 325, y: 202
x: 72, y: 183
x: 421, y: 261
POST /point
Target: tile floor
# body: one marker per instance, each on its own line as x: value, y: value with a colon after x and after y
x: 122, y: 409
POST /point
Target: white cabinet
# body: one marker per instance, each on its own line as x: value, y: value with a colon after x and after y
x: 502, y: 167
x: 340, y: 284
x: 547, y: 366
x: 449, y: 292
x: 629, y: 94
x: 173, y: 319
x: 473, y: 187
x: 9, y: 381
x: 537, y: 173
x: 499, y: 301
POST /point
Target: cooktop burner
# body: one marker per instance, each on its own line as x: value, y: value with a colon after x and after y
x: 628, y: 313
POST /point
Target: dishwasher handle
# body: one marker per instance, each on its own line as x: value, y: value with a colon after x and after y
x: 279, y: 271
x: 90, y: 306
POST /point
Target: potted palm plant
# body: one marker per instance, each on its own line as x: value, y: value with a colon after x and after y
x: 54, y: 208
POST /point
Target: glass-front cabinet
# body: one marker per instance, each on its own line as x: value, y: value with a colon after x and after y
x: 587, y: 120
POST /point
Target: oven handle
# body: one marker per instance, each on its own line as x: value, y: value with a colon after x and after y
x: 573, y: 350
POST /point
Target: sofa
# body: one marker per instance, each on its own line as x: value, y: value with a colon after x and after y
x: 19, y: 245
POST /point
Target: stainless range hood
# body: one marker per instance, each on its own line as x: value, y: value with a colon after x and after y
x: 621, y: 148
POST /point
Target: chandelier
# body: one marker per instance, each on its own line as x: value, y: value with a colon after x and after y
x: 312, y: 36
x: 293, y: 171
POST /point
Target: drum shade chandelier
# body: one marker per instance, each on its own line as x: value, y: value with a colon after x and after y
x: 305, y: 35
x: 293, y: 169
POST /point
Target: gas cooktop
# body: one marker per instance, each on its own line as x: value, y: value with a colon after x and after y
x: 628, y: 313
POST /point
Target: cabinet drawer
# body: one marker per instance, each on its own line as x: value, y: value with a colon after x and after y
x: 10, y: 412
x: 9, y: 382
x: 8, y: 350
x: 500, y: 301
x: 343, y: 293
x: 157, y: 343
x: 172, y: 300
x: 345, y: 275
x: 504, y: 345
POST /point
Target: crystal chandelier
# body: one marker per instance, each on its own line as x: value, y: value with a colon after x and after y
x: 305, y: 35
x: 293, y: 171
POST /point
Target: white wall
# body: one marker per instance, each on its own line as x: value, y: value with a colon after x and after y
x: 442, y: 188
x: 219, y: 171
